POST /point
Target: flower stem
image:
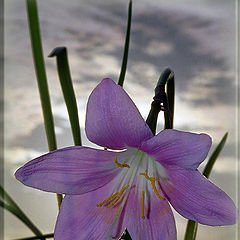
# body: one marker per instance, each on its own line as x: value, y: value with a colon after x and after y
x: 126, y: 46
x: 34, y: 30
x: 191, y: 230
x: 163, y: 101
x: 68, y: 91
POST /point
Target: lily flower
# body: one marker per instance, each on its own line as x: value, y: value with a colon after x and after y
x: 131, y: 185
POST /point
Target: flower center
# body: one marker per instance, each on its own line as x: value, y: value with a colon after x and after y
x: 137, y: 167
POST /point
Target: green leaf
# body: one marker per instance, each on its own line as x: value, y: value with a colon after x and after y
x: 68, y: 91
x: 46, y: 236
x: 168, y: 115
x: 36, y: 42
x: 39, y: 64
x: 126, y: 47
x: 208, y: 168
x: 12, y: 207
x: 191, y: 230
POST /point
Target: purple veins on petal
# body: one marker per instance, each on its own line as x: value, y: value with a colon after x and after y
x: 183, y: 149
x: 113, y: 120
x: 72, y: 170
x: 196, y: 198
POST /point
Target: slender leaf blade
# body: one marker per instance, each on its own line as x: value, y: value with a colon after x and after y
x: 68, y: 91
x: 170, y: 86
x: 46, y: 236
x: 126, y: 46
x: 209, y: 166
x: 191, y: 230
x: 17, y: 212
x: 36, y: 42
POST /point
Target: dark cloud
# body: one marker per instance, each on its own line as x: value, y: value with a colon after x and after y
x: 187, y: 58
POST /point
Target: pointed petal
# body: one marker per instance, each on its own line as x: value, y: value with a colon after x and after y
x: 196, y: 198
x: 112, y: 119
x: 172, y: 147
x: 72, y: 170
x: 79, y: 218
x: 159, y: 221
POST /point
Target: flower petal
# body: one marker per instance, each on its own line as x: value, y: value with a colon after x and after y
x: 172, y: 147
x: 71, y: 170
x: 159, y: 221
x: 79, y: 218
x: 196, y: 198
x: 112, y: 119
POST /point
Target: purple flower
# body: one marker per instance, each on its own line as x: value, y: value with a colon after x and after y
x: 107, y: 191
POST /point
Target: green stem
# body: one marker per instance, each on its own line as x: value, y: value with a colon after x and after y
x: 49, y: 235
x: 191, y: 230
x: 37, y: 51
x: 126, y: 46
x: 68, y: 91
x: 16, y: 211
x: 163, y: 101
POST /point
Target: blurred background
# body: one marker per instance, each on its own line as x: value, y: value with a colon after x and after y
x: 195, y: 38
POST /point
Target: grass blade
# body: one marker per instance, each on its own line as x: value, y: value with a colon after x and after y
x: 68, y: 91
x: 17, y: 212
x: 37, y: 51
x: 191, y: 230
x: 35, y: 35
x: 170, y: 86
x: 46, y: 236
x: 208, y: 168
x: 126, y: 46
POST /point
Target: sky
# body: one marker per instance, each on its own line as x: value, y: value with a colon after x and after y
x: 194, y: 38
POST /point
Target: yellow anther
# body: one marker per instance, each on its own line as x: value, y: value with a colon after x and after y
x: 149, y: 178
x: 152, y: 180
x: 122, y: 165
x: 108, y: 199
x: 118, y: 196
x: 155, y: 190
x: 142, y: 205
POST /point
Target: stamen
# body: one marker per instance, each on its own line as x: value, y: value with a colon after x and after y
x: 149, y: 178
x: 108, y: 199
x: 122, y: 165
x: 142, y: 205
x: 152, y: 180
x: 118, y: 197
x: 155, y: 190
